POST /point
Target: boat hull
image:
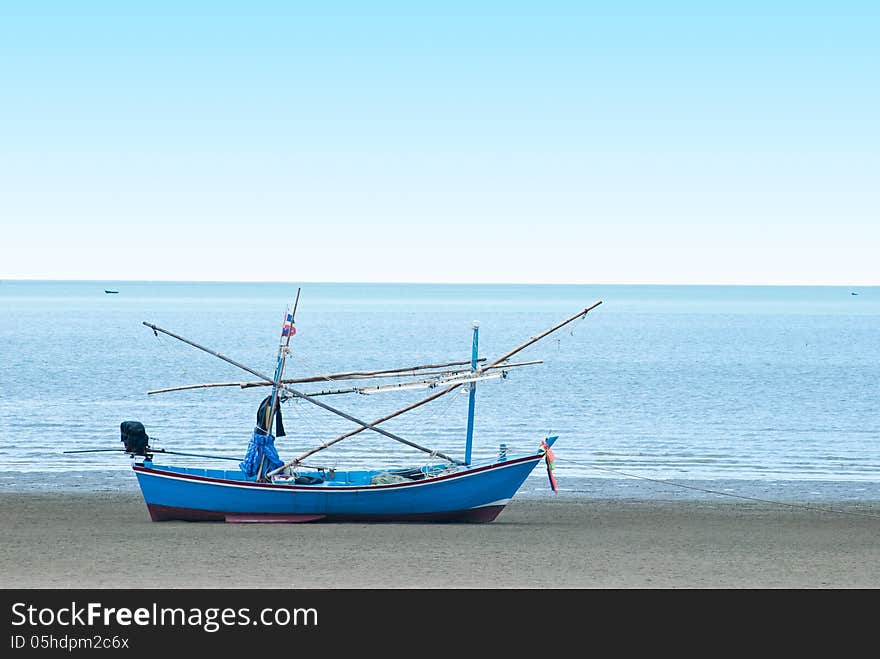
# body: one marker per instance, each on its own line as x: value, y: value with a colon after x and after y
x: 170, y: 513
x: 476, y: 493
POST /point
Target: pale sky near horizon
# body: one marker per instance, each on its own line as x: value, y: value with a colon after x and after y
x: 561, y: 142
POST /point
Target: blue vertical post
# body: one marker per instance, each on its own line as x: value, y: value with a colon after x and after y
x: 472, y: 399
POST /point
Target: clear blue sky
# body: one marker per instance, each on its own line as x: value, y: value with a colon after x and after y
x: 624, y: 142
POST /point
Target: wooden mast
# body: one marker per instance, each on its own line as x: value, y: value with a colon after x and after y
x: 443, y: 392
x: 287, y: 328
x: 282, y: 357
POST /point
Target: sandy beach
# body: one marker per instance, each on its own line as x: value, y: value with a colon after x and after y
x: 103, y: 540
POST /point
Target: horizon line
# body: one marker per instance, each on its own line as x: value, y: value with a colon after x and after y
x: 428, y: 283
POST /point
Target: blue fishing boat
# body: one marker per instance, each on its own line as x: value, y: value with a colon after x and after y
x: 265, y: 489
x: 462, y: 493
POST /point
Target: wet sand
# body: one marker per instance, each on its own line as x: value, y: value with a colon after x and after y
x: 102, y: 540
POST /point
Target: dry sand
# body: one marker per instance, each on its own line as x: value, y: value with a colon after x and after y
x: 108, y: 541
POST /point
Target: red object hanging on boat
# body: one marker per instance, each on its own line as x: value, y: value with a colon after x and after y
x: 549, y: 458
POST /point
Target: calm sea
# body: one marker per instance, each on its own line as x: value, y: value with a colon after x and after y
x: 767, y: 392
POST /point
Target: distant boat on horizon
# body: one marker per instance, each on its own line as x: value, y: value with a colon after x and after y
x: 853, y: 293
x: 108, y: 291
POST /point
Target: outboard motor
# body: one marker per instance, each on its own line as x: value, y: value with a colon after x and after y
x: 134, y: 437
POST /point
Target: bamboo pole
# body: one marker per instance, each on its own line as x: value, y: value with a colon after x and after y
x: 579, y: 314
x: 348, y: 375
x: 185, y: 387
x: 357, y: 375
x: 443, y: 392
x: 98, y: 450
x: 154, y: 450
x: 353, y: 375
x: 454, y: 371
x: 403, y: 386
x: 283, y: 351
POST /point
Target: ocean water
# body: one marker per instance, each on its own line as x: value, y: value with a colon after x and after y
x: 660, y: 392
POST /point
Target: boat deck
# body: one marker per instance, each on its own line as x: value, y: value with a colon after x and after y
x: 323, y: 478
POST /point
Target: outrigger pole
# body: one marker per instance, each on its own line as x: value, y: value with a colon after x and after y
x: 459, y: 377
x: 153, y: 450
x: 404, y: 372
x: 372, y: 426
x: 363, y: 424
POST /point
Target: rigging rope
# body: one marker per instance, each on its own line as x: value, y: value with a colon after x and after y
x: 726, y: 494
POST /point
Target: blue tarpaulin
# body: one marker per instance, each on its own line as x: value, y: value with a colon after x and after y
x: 261, y: 445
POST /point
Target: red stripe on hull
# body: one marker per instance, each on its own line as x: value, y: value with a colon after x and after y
x: 170, y: 513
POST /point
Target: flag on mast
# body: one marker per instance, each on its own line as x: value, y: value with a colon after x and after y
x: 288, y: 329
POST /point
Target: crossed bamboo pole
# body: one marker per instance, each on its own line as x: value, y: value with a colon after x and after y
x: 372, y: 425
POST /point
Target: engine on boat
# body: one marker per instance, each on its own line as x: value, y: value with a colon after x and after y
x: 134, y: 437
